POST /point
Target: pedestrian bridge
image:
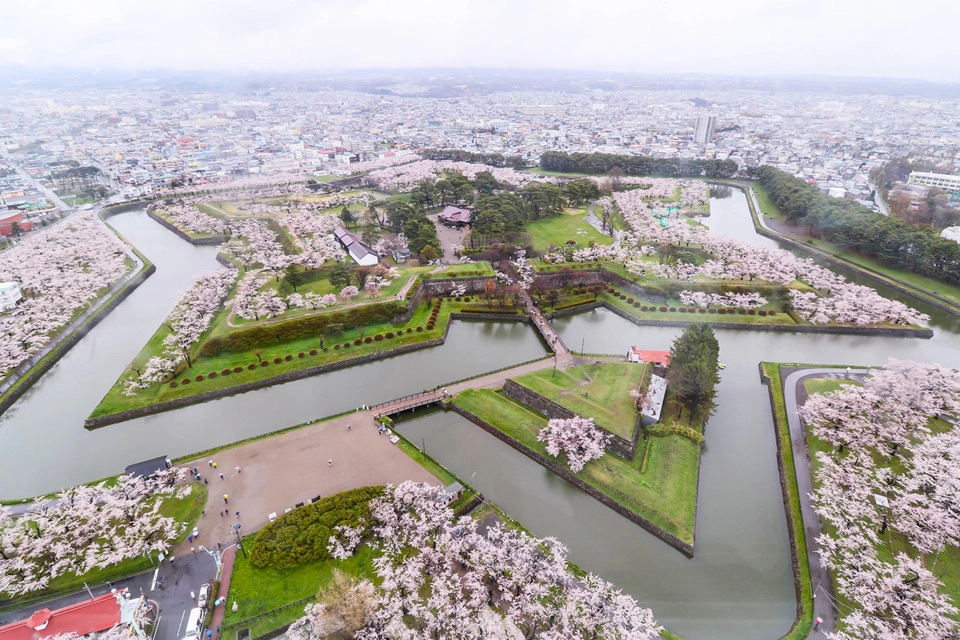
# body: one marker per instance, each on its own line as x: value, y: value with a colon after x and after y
x: 412, y: 401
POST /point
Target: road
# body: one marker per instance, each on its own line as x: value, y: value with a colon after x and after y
x: 823, y: 596
x: 169, y: 585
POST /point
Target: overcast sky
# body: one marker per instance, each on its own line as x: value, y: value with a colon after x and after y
x: 751, y: 37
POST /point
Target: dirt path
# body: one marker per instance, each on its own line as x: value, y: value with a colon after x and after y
x: 280, y: 471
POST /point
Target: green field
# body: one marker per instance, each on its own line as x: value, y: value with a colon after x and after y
x: 557, y: 230
x: 660, y: 485
x: 598, y: 391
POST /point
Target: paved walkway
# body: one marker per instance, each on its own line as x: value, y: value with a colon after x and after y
x: 823, y: 596
x: 216, y: 621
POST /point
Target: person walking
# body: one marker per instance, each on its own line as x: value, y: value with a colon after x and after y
x: 221, y: 476
x: 238, y: 469
x: 818, y: 623
x: 225, y: 500
x: 330, y: 462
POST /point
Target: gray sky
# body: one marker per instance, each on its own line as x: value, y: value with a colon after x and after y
x: 838, y: 37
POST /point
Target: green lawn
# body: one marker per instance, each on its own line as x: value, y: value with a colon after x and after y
x: 653, y: 312
x: 115, y: 401
x: 826, y: 385
x: 557, y: 230
x: 258, y: 591
x: 804, y: 620
x: 660, y: 486
x: 598, y: 391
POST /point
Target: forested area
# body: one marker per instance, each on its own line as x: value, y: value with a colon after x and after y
x: 601, y: 163
x: 856, y: 228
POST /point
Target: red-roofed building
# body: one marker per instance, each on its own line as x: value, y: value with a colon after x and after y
x: 658, y: 358
x: 89, y: 616
x: 7, y: 220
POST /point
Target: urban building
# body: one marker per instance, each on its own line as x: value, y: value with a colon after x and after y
x: 706, y: 127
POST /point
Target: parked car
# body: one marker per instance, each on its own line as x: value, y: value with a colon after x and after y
x: 204, y: 595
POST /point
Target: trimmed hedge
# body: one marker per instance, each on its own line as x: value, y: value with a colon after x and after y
x: 301, y: 536
x: 675, y: 429
x: 299, y: 328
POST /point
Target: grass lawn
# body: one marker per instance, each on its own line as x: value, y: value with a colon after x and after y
x: 259, y: 591
x: 653, y: 312
x: 826, y: 385
x: 801, y: 627
x: 598, y: 391
x: 660, y: 486
x: 557, y: 230
x: 334, y: 351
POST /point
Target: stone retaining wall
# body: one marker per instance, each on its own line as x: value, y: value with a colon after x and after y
x: 547, y: 407
x: 857, y: 331
x: 685, y: 548
x: 437, y: 288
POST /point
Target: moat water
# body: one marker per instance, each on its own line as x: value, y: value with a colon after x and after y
x: 739, y: 584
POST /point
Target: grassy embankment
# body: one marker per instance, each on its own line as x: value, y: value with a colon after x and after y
x: 903, y: 277
x: 598, y: 391
x: 160, y: 213
x: 660, y: 485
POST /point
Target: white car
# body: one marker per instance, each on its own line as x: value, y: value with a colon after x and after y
x: 204, y: 595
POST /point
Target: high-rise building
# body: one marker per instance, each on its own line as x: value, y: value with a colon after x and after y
x: 703, y: 133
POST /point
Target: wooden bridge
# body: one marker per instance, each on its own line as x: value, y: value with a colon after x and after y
x: 407, y: 402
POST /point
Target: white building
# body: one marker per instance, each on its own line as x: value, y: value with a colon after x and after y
x: 9, y: 294
x: 704, y: 130
x: 941, y: 181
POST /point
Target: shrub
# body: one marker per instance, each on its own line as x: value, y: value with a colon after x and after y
x: 701, y: 310
x: 199, y: 377
x: 673, y: 309
x: 682, y: 309
x: 419, y: 328
x: 722, y: 311
x: 238, y: 369
x: 711, y: 310
x: 313, y: 352
x: 629, y: 300
x: 265, y: 363
x: 251, y: 366
x: 358, y: 341
x: 174, y: 384
x: 368, y: 339
x: 466, y: 298
x: 301, y: 354
x: 763, y: 312
x: 742, y: 311
x: 644, y: 308
x: 731, y: 310
x: 212, y: 374
x: 611, y: 290
x: 388, y: 335
x: 636, y: 305
x: 663, y: 308
x: 346, y: 345
x: 409, y: 329
x: 752, y: 312
x: 185, y: 381
x: 429, y: 326
x: 226, y: 372
x: 277, y: 360
x: 457, y: 298
x: 336, y: 347
x: 378, y: 337
x: 288, y: 357
x: 772, y: 312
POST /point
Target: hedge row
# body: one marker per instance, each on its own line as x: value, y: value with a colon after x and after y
x: 301, y: 536
x: 675, y: 429
x: 501, y: 310
x: 299, y: 328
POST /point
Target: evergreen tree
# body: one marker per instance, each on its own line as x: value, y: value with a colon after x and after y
x: 693, y: 373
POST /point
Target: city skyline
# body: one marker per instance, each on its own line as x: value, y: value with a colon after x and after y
x: 749, y: 37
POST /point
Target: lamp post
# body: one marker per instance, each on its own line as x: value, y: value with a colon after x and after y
x: 236, y: 531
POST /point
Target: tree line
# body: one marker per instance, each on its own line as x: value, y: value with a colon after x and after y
x: 459, y: 155
x: 857, y: 228
x: 602, y: 163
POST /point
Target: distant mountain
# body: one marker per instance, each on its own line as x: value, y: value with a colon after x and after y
x: 436, y: 82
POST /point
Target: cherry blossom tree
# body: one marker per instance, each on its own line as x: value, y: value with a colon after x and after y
x: 349, y: 293
x: 577, y: 437
x: 85, y: 528
x: 439, y: 577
